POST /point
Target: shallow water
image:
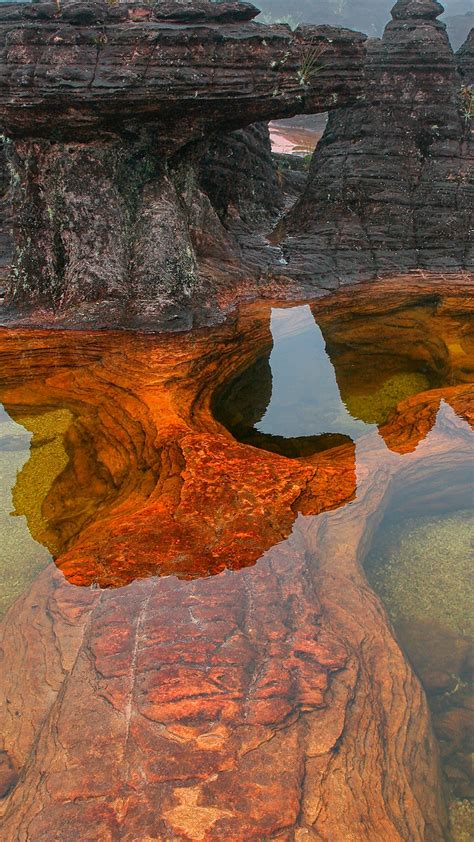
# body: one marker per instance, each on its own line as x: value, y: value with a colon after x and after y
x: 22, y: 556
x: 209, y: 459
x: 289, y: 400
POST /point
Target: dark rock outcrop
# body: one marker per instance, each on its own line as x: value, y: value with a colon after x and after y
x: 96, y: 68
x: 240, y: 176
x: 144, y: 191
x: 109, y: 109
x: 391, y: 183
x: 5, y: 212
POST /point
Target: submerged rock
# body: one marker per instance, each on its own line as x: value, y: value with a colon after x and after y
x: 421, y: 570
x: 420, y: 566
x: 229, y: 706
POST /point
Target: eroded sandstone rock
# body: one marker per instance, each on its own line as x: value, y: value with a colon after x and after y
x: 391, y: 181
x: 103, y: 104
x: 5, y: 213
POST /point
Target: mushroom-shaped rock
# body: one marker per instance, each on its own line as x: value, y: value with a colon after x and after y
x: 390, y: 183
x: 427, y: 9
x: 108, y: 109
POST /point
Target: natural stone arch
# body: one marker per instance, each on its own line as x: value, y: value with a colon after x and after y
x: 108, y: 109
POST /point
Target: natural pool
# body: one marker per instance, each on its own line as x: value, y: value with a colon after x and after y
x: 208, y: 500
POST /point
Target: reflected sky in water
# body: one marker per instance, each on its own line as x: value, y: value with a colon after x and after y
x: 303, y: 391
x: 305, y: 399
x: 298, y: 398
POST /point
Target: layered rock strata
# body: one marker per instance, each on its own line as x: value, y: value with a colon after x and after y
x: 106, y: 108
x: 239, y: 175
x: 5, y: 214
x: 391, y: 183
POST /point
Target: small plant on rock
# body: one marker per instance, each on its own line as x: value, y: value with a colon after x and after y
x: 272, y: 19
x: 309, y: 64
x: 466, y: 97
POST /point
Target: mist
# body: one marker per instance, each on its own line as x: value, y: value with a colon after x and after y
x: 368, y: 16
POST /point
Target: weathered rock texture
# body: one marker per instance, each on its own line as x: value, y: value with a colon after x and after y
x: 239, y: 175
x: 5, y: 213
x: 100, y: 101
x: 262, y: 703
x: 98, y: 68
x: 137, y: 205
x: 270, y: 702
x: 391, y: 183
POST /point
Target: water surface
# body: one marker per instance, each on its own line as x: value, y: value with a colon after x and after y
x: 186, y: 472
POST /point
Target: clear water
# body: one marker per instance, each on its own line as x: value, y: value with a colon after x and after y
x: 22, y: 557
x: 289, y: 401
x: 91, y: 438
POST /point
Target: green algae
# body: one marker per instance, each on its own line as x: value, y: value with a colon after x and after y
x: 421, y: 568
x: 376, y: 406
x: 28, y: 467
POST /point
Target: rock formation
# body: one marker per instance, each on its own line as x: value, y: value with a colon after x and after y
x: 257, y: 196
x: 390, y: 186
x: 108, y: 109
x: 266, y: 702
x: 5, y: 213
x: 139, y: 205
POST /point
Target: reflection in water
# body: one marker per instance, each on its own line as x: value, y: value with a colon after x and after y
x: 305, y: 397
x: 178, y: 693
x: 125, y: 475
x: 289, y: 401
x: 304, y: 412
x: 419, y: 560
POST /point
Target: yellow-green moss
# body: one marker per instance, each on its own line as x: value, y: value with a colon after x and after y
x: 375, y: 407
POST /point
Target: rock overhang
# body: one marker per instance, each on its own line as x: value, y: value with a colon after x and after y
x: 184, y: 69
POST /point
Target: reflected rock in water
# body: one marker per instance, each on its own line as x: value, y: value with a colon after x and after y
x: 146, y: 481
x: 264, y: 701
x: 190, y: 694
x: 152, y: 484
